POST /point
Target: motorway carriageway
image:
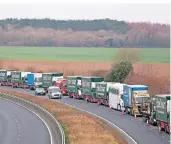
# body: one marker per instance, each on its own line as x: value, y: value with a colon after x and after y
x: 20, y: 126
x: 137, y: 129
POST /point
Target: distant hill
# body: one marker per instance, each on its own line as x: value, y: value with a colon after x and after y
x: 83, y: 33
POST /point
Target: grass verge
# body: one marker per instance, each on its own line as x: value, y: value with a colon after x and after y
x: 79, y: 127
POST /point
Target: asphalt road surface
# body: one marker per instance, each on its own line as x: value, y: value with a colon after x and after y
x: 20, y: 126
x: 137, y: 129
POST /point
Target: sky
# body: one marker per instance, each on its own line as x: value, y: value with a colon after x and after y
x: 155, y: 13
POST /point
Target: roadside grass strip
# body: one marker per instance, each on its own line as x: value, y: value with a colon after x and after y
x: 79, y: 127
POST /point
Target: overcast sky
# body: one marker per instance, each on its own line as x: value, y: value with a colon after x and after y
x: 129, y: 12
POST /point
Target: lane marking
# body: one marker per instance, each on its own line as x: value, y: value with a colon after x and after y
x: 51, y: 138
x: 127, y: 135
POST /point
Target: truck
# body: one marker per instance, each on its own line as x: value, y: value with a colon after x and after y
x: 102, y: 92
x: 149, y: 116
x: 5, y: 77
x: 48, y: 79
x: 74, y: 86
x: 19, y: 79
x: 34, y: 80
x: 62, y: 84
x: 163, y: 112
x: 88, y: 88
x: 136, y: 99
x: 116, y: 96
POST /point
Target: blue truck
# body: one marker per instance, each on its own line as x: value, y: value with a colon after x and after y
x: 34, y: 80
x: 136, y: 99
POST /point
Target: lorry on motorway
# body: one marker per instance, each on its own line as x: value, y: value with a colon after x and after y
x: 48, y: 79
x: 163, y: 112
x: 5, y: 77
x: 74, y: 86
x: 149, y: 116
x: 19, y: 79
x: 88, y: 88
x: 116, y: 96
x: 102, y: 92
x: 34, y: 80
x: 62, y: 84
x: 136, y: 99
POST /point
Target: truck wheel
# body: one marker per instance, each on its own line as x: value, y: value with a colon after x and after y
x: 126, y: 109
x: 159, y: 127
x: 167, y: 130
x: 144, y: 119
x: 131, y: 112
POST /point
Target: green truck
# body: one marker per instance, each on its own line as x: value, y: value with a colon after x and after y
x: 19, y: 79
x: 149, y: 116
x: 48, y: 79
x: 88, y: 88
x: 74, y: 86
x: 5, y: 77
x: 102, y: 92
x: 163, y: 112
x: 110, y: 94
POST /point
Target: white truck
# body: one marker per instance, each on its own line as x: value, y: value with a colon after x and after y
x: 116, y: 96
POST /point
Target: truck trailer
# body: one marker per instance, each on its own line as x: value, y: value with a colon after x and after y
x: 48, y: 79
x: 34, y: 80
x: 102, y: 92
x: 5, y: 77
x: 163, y: 112
x: 19, y: 79
x: 136, y: 99
x: 88, y: 88
x: 74, y: 86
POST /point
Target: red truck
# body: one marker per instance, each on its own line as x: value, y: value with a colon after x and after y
x: 62, y: 84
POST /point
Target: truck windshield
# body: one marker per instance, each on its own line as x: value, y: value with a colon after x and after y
x: 54, y: 90
x: 142, y: 100
x: 40, y: 89
x: 38, y: 79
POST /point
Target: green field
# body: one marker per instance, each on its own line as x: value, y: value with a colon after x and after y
x: 148, y: 55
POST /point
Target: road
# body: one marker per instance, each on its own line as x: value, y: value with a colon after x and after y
x: 137, y: 129
x: 20, y: 126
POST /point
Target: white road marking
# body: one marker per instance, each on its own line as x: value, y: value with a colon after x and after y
x: 51, y: 138
x: 18, y: 126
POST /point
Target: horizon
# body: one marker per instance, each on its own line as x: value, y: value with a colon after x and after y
x: 87, y: 20
x: 148, y: 13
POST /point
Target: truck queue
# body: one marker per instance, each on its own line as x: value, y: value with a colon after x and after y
x: 134, y: 100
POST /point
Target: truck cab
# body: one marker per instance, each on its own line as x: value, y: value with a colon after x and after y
x: 62, y: 84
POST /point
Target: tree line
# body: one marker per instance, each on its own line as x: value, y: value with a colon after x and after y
x: 83, y: 33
